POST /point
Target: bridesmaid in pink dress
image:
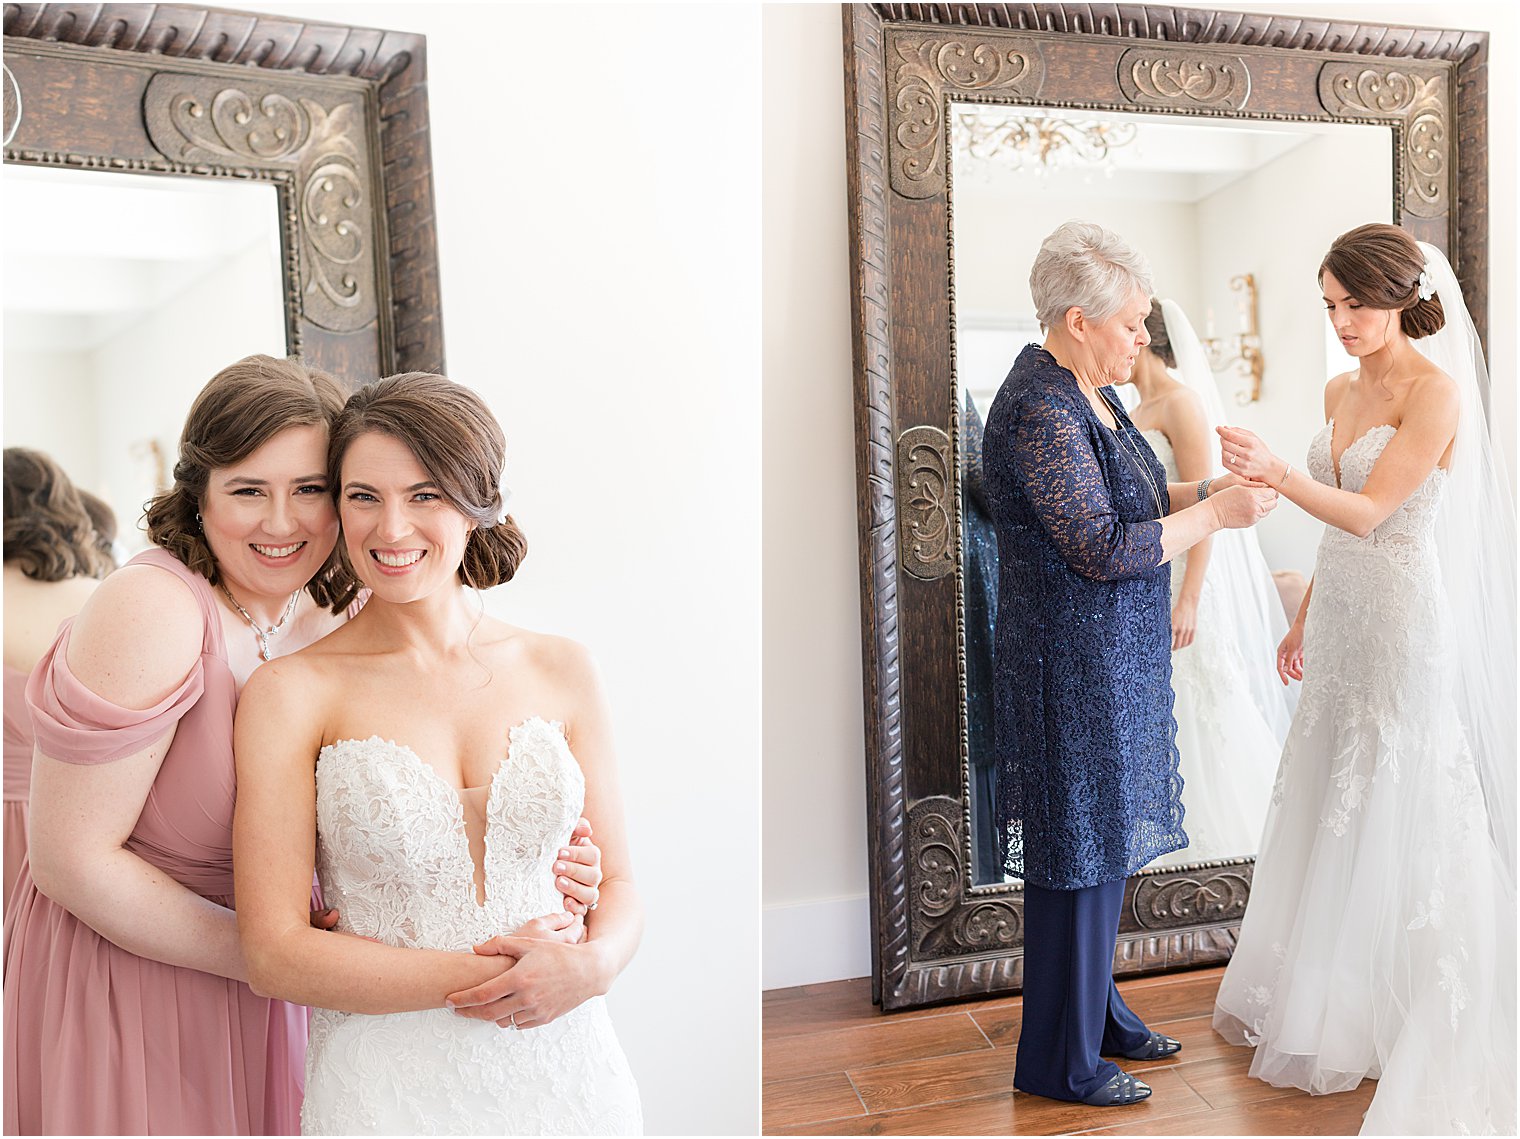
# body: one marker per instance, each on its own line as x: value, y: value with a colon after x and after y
x: 52, y: 565
x: 126, y: 1004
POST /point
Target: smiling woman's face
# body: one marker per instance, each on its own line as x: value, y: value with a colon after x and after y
x: 269, y: 519
x: 404, y: 538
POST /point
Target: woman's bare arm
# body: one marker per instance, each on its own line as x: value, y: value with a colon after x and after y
x: 1423, y: 436
x: 133, y: 644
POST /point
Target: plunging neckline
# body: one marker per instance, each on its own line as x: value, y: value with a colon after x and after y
x: 480, y: 894
x: 1335, y: 462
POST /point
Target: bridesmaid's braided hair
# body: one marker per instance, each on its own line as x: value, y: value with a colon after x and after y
x: 460, y: 445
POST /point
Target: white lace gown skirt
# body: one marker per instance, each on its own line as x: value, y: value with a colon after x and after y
x: 437, y: 1073
x: 1227, y: 752
x: 1371, y: 944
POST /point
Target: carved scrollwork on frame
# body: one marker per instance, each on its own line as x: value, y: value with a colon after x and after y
x: 1214, y: 81
x: 1171, y: 901
x: 925, y: 503
x: 1419, y: 102
x: 950, y: 923
x: 12, y: 101
x: 193, y: 119
x: 926, y: 66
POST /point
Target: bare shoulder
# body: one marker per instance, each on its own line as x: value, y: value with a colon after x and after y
x: 137, y: 637
x: 1433, y: 389
x: 1335, y: 391
x: 291, y: 691
x: 1182, y: 405
x: 559, y: 660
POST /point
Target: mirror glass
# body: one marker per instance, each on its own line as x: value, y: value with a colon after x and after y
x: 123, y: 295
x: 1208, y: 202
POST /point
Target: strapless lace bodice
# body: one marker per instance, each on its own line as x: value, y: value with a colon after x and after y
x: 392, y: 852
x: 394, y: 857
x: 1413, y: 523
x: 1163, y: 448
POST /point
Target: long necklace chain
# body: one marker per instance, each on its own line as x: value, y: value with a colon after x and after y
x: 261, y: 633
x: 1128, y: 448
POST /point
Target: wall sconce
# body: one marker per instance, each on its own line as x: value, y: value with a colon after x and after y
x: 1243, y: 350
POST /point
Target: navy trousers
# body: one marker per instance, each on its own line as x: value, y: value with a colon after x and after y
x: 1072, y: 1009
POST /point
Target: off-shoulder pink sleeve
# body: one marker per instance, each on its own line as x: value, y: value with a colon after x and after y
x: 75, y: 725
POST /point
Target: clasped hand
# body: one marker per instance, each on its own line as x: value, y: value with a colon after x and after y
x: 553, y: 971
x: 547, y: 980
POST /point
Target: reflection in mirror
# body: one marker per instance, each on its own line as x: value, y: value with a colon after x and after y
x: 124, y: 294
x: 1207, y: 202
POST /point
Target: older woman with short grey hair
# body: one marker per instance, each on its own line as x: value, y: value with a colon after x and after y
x: 1086, y: 522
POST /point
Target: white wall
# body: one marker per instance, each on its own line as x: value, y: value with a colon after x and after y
x: 145, y: 378
x: 815, y: 851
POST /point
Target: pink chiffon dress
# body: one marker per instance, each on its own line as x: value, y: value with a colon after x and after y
x: 97, y: 1039
x: 18, y: 774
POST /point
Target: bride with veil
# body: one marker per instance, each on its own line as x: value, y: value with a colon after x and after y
x: 1232, y: 712
x: 1379, y: 940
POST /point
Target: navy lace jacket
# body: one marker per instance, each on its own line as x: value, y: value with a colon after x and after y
x: 1088, y: 789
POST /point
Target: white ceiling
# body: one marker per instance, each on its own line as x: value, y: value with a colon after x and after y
x: 1171, y: 159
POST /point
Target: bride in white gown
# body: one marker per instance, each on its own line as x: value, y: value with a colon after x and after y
x: 1379, y: 938
x: 430, y: 763
x: 1232, y: 713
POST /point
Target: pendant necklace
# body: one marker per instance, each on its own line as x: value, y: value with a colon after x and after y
x: 263, y: 634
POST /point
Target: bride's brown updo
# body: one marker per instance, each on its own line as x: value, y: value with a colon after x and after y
x: 1380, y: 266
x: 1161, y: 341
x: 460, y: 445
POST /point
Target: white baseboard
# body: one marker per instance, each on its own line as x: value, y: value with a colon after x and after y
x: 810, y: 942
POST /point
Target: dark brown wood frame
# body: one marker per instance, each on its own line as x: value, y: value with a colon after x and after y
x: 935, y: 936
x: 336, y: 118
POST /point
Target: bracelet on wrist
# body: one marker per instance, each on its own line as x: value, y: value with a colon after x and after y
x: 1203, y: 489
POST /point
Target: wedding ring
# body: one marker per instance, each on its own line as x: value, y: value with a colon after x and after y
x: 512, y: 1016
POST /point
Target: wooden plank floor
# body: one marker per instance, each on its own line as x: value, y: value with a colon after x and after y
x: 834, y: 1064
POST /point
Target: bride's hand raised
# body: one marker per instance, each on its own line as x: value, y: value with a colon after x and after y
x: 1246, y: 455
x: 548, y: 980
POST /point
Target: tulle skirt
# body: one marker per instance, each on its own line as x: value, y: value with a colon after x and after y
x: 1375, y: 942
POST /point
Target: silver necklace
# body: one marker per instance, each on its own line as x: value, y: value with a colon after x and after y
x: 263, y: 634
x: 1128, y: 448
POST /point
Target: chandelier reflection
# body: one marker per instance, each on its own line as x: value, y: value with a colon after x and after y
x: 1040, y: 142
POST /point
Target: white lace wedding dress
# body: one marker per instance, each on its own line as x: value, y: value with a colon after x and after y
x: 1370, y: 945
x: 1226, y: 747
x: 393, y: 857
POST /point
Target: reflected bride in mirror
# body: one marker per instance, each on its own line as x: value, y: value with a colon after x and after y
x: 1232, y: 713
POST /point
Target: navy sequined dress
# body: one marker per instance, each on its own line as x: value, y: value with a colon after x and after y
x: 1088, y: 788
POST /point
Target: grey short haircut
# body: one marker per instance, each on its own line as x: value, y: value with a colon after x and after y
x: 1082, y: 265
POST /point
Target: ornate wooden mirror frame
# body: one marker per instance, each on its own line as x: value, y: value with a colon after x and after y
x: 335, y: 118
x: 935, y: 936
